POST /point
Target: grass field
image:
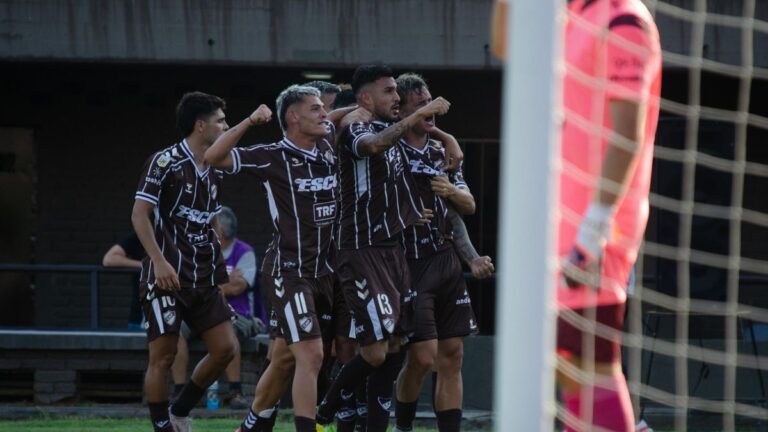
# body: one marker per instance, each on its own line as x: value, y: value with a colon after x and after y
x: 76, y: 424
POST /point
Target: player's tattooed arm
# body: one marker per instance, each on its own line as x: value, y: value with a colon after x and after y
x: 370, y: 145
x: 453, y: 153
x: 480, y: 266
x: 165, y: 276
x: 218, y: 155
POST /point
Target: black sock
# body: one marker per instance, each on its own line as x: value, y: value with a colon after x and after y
x: 405, y: 412
x: 158, y: 413
x: 352, y: 373
x: 304, y: 424
x: 235, y: 387
x: 255, y: 423
x: 380, y: 392
x: 186, y: 400
x: 449, y: 420
x: 361, y: 394
x: 347, y: 415
x: 177, y: 389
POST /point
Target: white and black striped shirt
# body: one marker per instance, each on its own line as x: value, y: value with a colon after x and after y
x: 376, y: 200
x: 424, y: 164
x: 302, y: 191
x: 185, y: 201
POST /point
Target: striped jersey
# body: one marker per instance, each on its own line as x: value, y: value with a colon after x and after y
x: 302, y: 191
x: 376, y: 201
x: 425, y: 164
x: 185, y: 201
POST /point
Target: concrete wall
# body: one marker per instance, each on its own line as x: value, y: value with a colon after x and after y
x: 325, y: 32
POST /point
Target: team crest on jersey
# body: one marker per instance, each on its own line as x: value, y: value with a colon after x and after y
x: 163, y: 160
x: 328, y: 156
x: 306, y: 324
x: 169, y: 317
x: 389, y: 324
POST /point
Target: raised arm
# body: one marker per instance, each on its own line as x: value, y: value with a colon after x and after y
x: 336, y: 115
x: 453, y: 154
x: 218, y: 155
x: 370, y: 145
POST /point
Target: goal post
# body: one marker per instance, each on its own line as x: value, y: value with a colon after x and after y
x: 525, y: 311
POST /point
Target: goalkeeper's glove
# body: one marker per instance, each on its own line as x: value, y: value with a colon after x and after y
x: 582, y: 264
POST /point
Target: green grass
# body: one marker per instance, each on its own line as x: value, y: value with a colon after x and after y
x: 76, y: 424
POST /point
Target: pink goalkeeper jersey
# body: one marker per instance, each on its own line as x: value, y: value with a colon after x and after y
x: 612, y: 52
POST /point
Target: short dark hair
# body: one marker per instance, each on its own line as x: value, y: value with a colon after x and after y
x: 324, y: 86
x: 368, y: 74
x: 344, y: 99
x: 409, y: 83
x: 195, y: 106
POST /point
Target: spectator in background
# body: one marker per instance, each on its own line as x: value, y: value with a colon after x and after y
x: 244, y: 298
x: 128, y: 252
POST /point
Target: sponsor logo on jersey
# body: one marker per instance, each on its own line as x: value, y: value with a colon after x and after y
x: 288, y: 265
x: 346, y: 395
x: 197, y: 239
x: 194, y: 215
x: 306, y: 324
x: 419, y: 167
x: 163, y: 160
x: 464, y: 301
x: 326, y: 317
x: 316, y: 184
x: 152, y: 180
x: 156, y: 172
x: 324, y: 212
x: 346, y: 414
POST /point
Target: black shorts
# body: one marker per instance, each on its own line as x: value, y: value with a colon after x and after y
x: 342, y: 318
x: 300, y: 305
x: 570, y: 339
x: 201, y: 308
x: 377, y: 288
x: 442, y: 308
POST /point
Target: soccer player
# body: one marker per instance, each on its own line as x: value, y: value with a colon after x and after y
x: 376, y: 205
x: 300, y: 177
x: 611, y: 96
x: 176, y: 200
x: 442, y: 308
x: 615, y: 44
